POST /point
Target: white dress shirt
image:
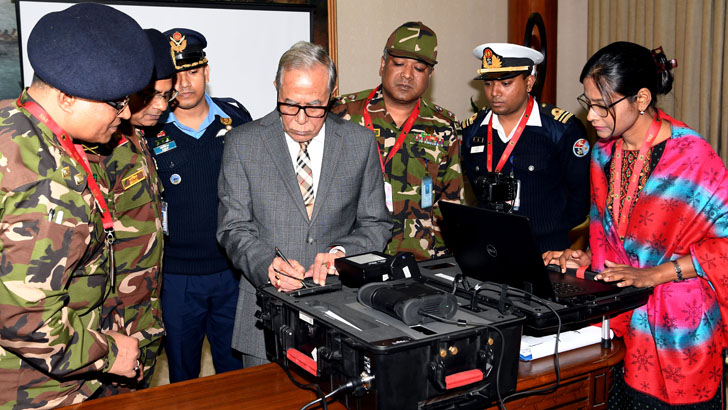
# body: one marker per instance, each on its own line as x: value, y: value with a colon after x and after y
x: 315, y: 151
x: 534, y: 119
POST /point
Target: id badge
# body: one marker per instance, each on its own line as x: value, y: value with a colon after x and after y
x: 165, y: 227
x: 426, y: 192
x: 388, y: 196
x: 517, y: 201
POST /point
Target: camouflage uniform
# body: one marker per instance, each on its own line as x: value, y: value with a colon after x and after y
x: 53, y: 270
x: 431, y: 148
x: 134, y: 308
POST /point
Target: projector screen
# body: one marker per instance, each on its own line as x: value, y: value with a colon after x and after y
x: 244, y: 42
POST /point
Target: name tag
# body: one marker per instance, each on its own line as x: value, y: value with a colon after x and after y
x: 475, y: 149
x: 165, y: 147
x: 426, y: 192
x: 133, y: 179
x: 388, y: 196
x: 165, y: 226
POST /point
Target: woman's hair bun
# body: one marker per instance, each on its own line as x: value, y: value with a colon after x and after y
x: 664, y: 70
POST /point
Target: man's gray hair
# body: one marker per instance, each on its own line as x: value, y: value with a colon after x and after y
x: 304, y: 55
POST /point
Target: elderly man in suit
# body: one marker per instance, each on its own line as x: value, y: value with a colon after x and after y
x: 302, y: 181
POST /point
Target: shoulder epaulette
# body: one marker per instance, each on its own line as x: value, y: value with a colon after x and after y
x: 469, y: 121
x: 447, y: 113
x: 559, y: 115
x: 235, y: 107
x: 347, y: 98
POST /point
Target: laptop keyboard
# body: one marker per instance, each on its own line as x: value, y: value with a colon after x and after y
x: 565, y: 289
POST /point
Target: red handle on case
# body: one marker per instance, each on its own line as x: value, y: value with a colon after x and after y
x: 303, y: 361
x: 463, y: 378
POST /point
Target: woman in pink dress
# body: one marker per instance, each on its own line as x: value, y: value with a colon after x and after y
x: 659, y: 218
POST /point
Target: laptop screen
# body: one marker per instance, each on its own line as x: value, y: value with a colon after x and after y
x: 495, y: 246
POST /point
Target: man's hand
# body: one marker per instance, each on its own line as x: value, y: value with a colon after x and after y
x: 323, y: 265
x: 127, y: 359
x: 279, y: 279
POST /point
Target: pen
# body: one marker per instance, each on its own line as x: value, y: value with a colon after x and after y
x: 282, y: 256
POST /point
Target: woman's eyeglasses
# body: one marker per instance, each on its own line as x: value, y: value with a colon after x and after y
x: 598, y: 109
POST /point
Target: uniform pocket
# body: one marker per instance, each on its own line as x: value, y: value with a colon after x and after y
x: 171, y: 161
x: 531, y: 163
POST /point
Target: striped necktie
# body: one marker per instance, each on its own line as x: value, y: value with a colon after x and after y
x: 305, y: 176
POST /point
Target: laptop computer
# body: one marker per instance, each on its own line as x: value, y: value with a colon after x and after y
x: 500, y: 247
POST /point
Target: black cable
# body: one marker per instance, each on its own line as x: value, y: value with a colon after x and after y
x: 500, y: 356
x: 309, y: 386
x: 523, y: 294
x: 325, y: 398
x: 555, y: 386
x: 351, y: 384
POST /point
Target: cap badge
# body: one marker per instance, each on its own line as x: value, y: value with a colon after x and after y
x: 178, y: 42
x: 491, y: 59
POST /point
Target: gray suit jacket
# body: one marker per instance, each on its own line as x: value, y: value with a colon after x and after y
x: 261, y: 206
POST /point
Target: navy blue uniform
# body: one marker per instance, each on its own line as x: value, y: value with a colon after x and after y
x: 200, y: 290
x: 552, y: 164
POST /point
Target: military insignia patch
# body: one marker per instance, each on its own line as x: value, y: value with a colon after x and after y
x: 581, y: 147
x: 162, y: 140
x: 78, y: 179
x: 133, y: 179
x: 227, y: 122
x: 429, y: 139
x: 178, y: 42
x: 376, y: 132
x: 491, y: 59
x: 175, y: 179
x: 65, y: 172
x: 161, y: 134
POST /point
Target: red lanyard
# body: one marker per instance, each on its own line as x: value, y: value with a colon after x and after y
x: 622, y: 216
x: 511, y: 144
x: 402, y: 135
x: 76, y: 152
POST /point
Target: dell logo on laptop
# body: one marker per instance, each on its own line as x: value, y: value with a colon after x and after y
x: 492, y: 251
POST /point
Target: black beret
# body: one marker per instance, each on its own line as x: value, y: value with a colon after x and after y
x: 163, y: 66
x: 91, y: 51
x: 187, y: 47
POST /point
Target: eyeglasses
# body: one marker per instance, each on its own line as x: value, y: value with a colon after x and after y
x: 599, y: 110
x: 119, y: 104
x: 312, y: 111
x: 149, y: 96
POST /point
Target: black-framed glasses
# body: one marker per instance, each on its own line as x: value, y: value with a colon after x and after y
x: 312, y: 111
x: 119, y: 104
x: 598, y: 109
x: 149, y: 96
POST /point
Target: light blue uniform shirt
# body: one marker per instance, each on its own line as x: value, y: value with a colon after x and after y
x: 197, y: 133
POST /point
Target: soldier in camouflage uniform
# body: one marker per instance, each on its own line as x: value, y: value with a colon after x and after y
x: 134, y: 307
x: 417, y: 140
x: 55, y: 229
x: 541, y: 146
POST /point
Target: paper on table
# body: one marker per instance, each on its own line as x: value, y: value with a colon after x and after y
x: 533, y: 348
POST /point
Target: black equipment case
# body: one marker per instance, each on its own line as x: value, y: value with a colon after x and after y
x: 540, y: 320
x: 432, y: 365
